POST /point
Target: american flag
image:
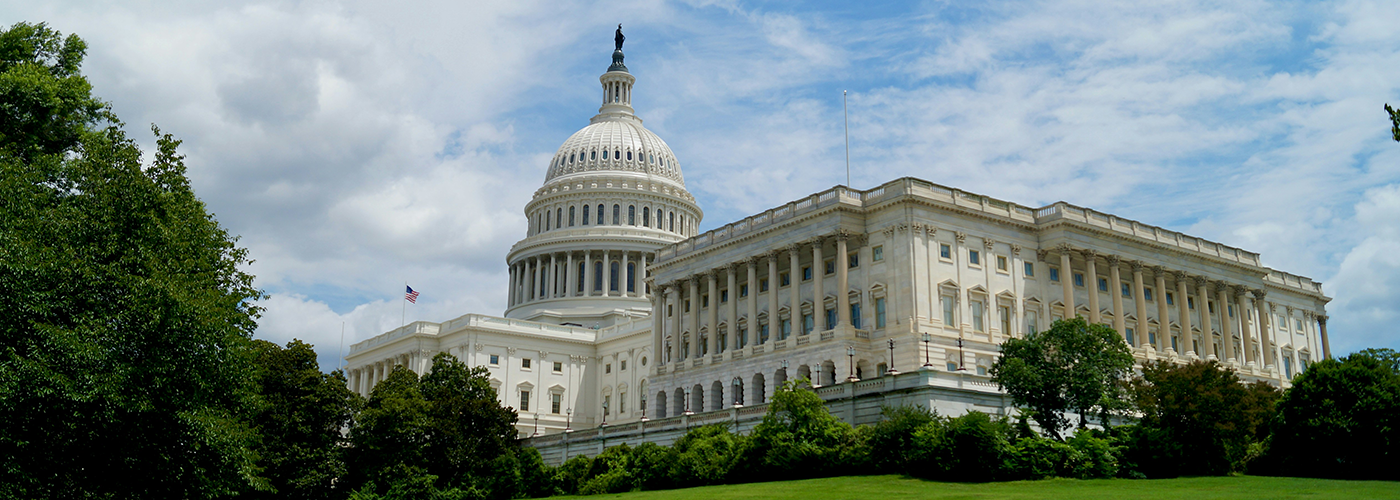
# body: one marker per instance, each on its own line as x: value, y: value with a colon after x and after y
x: 411, y: 296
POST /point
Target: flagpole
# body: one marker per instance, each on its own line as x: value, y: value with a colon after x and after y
x: 846, y: 125
x: 341, y: 351
x: 403, y: 317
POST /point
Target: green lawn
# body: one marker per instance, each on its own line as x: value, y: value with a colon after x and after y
x: 897, y: 488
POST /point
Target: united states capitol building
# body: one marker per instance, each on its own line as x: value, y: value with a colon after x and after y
x: 623, y: 318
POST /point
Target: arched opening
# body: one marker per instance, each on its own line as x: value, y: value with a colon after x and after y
x: 585, y: 215
x: 597, y: 275
x: 805, y: 372
x: 671, y: 221
x: 828, y: 372
x: 659, y: 407
x: 631, y: 215
x: 571, y: 216
x: 678, y: 405
x: 646, y: 216
x: 601, y: 221
x: 582, y: 271
x: 631, y: 277
x: 617, y: 215
x: 862, y: 369
x: 697, y: 399
x: 613, y: 276
x: 716, y: 396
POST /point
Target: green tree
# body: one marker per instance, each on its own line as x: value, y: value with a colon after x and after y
x: 1394, y: 122
x: 390, y: 434
x: 299, y: 423
x: 891, y: 440
x: 1071, y: 366
x: 125, y: 321
x: 1341, y: 419
x: 798, y: 437
x: 468, y: 429
x: 1198, y: 419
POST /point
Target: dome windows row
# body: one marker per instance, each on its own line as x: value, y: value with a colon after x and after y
x: 563, y: 161
x: 599, y: 215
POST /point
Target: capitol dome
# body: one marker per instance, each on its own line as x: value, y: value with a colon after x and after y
x: 612, y: 196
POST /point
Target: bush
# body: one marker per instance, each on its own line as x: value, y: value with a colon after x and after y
x: 1197, y: 419
x: 706, y: 455
x: 610, y: 472
x: 890, y: 443
x: 1341, y: 419
x: 799, y: 438
x: 569, y: 476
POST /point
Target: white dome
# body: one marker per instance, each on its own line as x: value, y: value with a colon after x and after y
x: 626, y: 145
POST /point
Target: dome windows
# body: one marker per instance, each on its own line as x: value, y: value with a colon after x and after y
x: 617, y: 215
x: 646, y: 216
x: 593, y: 156
x: 605, y: 154
x: 601, y: 215
x: 631, y: 215
x: 629, y: 156
x: 585, y: 215
x: 652, y: 158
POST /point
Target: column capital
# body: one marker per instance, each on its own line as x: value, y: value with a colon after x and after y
x: 733, y: 267
x: 1322, y: 319
x: 913, y: 226
x: 1201, y: 281
x: 988, y: 243
x: 1041, y: 254
x: 889, y: 230
x: 1015, y: 250
x: 1259, y: 293
x: 774, y: 255
x: 1221, y: 286
x: 841, y: 235
x: 960, y: 236
x: 1113, y: 260
x: 1089, y: 254
x: 713, y: 274
x: 1179, y: 275
x: 753, y: 261
x: 1064, y: 248
x: 1240, y: 291
x: 1137, y: 266
x: 930, y: 229
x: 794, y: 248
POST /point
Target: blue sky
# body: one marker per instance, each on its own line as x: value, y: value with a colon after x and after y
x: 356, y: 146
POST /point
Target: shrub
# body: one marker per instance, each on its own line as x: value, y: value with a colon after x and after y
x: 890, y: 443
x: 798, y: 438
x: 1341, y: 419
x: 706, y: 455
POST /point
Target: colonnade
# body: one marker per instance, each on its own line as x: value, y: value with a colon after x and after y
x: 556, y: 275
x: 363, y: 379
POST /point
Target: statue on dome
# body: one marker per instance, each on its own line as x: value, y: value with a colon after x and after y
x: 618, y: 38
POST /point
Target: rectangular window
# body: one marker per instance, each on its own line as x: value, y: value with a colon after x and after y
x: 525, y: 363
x: 724, y: 296
x: 495, y: 360
x: 974, y: 257
x: 762, y: 285
x: 808, y: 323
x: 705, y: 300
x: 1002, y: 265
x: 1147, y: 294
x: 744, y: 290
x: 952, y: 366
x: 1191, y: 303
x: 830, y: 319
x: 945, y: 251
x: 1127, y: 290
x: 687, y: 305
x: 763, y: 333
x: 977, y: 325
x: 1031, y: 322
x: 1103, y: 285
x: 830, y: 267
x: 948, y: 317
x: 853, y: 260
x: 524, y: 400
x: 623, y: 365
x: 607, y: 368
x: 1210, y: 306
x: 1055, y: 274
x: 1174, y: 347
x: 806, y: 273
x: 1170, y: 299
x: 555, y: 401
x: 1152, y: 337
x: 1230, y: 309
x: 855, y: 316
x: 880, y: 312
x: 743, y: 337
x: 1079, y: 279
x: 622, y: 402
x: 785, y: 328
x: 877, y: 254
x: 1005, y: 313
x: 1030, y: 269
x: 784, y: 279
x: 558, y: 367
x: 1130, y: 337
x: 981, y: 370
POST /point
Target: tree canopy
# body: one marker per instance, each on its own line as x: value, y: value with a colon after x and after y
x: 1071, y: 366
x: 125, y: 368
x: 1199, y: 418
x: 1394, y: 122
x: 1341, y: 419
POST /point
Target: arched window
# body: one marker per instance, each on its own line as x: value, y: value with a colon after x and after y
x: 601, y: 220
x: 582, y: 272
x: 571, y: 216
x: 652, y: 158
x: 646, y: 216
x: 612, y: 274
x: 593, y: 155
x: 571, y: 158
x: 598, y: 276
x: 617, y: 214
x: 559, y: 218
x: 585, y: 215
x: 617, y: 155
x: 631, y: 215
x: 671, y: 220
x: 631, y: 277
x: 546, y: 221
x: 629, y: 156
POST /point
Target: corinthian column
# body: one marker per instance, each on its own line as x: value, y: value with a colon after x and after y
x: 1227, y: 337
x: 1207, y: 335
x: 795, y: 280
x: 732, y: 278
x: 694, y: 295
x: 1164, y: 320
x: 775, y: 323
x: 626, y: 276
x: 1322, y: 326
x: 1141, y: 302
x: 843, y: 299
x: 1247, y: 339
x: 677, y: 330
x: 1266, y: 337
x: 658, y: 323
x: 1091, y: 284
x: 1115, y: 290
x: 818, y: 291
x: 753, y: 301
x: 1066, y: 281
x: 1183, y: 311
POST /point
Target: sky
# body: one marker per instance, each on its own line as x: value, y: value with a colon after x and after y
x: 356, y: 147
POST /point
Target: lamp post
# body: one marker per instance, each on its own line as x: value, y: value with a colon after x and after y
x: 816, y: 381
x: 927, y: 338
x: 851, y: 363
x: 785, y: 373
x: 605, y: 415
x: 738, y: 396
x: 568, y: 420
x: 892, y: 370
x: 537, y: 425
x: 644, y: 406
x: 687, y: 404
x: 961, y: 368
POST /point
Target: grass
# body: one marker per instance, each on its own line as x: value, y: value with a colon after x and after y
x: 898, y: 488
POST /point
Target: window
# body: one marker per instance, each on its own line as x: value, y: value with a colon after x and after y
x: 1170, y: 299
x: 1191, y: 304
x: 671, y: 221
x: 546, y: 221
x: 629, y: 156
x: 830, y: 267
x: 705, y: 300
x: 743, y: 290
x: 952, y: 366
x: 974, y: 257
x: 855, y: 316
x: 612, y: 281
x: 1030, y: 269
x: 1079, y: 279
x: 981, y: 370
x: 607, y: 368
x: 525, y: 363
x: 558, y: 367
x: 600, y: 215
x: 743, y: 337
x: 631, y: 277
x: 1005, y: 317
x: 1032, y: 322
x: 880, y: 312
x: 1054, y: 274
x: 605, y: 154
x: 554, y: 403
x: 1152, y: 337
x: 1147, y: 294
x: 1127, y: 290
x: 1174, y: 347
x: 644, y: 363
x: 631, y: 215
x: 762, y: 333
x: 945, y: 251
x: 585, y: 215
x: 1299, y: 325
x: 784, y: 279
x: 617, y: 215
x: 571, y: 216
x: 524, y: 400
x: 948, y: 317
x: 1001, y: 263
x: 622, y: 402
x: 724, y: 296
x: 806, y: 273
x: 646, y: 216
x: 977, y: 325
x: 495, y: 360
x: 830, y: 319
x: 687, y: 305
x: 1130, y: 337
x: 1103, y: 285
x: 877, y: 254
x: 786, y: 329
x: 559, y: 217
x: 1230, y: 309
x: 809, y: 323
x: 763, y: 285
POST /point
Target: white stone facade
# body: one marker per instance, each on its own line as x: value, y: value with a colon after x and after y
x: 619, y: 311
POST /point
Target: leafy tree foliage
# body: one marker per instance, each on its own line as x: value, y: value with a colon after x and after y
x: 1394, y: 122
x: 468, y: 429
x: 299, y: 422
x: 1198, y: 419
x: 125, y: 366
x: 799, y: 437
x: 389, y: 434
x: 1341, y: 419
x: 892, y: 438
x: 1071, y: 366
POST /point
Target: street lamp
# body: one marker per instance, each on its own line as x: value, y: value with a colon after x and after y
x: 687, y: 404
x: 537, y: 425
x: 851, y: 362
x: 927, y: 338
x: 961, y: 368
x: 568, y: 420
x: 738, y: 396
x: 644, y: 406
x: 605, y: 415
x: 816, y: 381
x: 891, y: 370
